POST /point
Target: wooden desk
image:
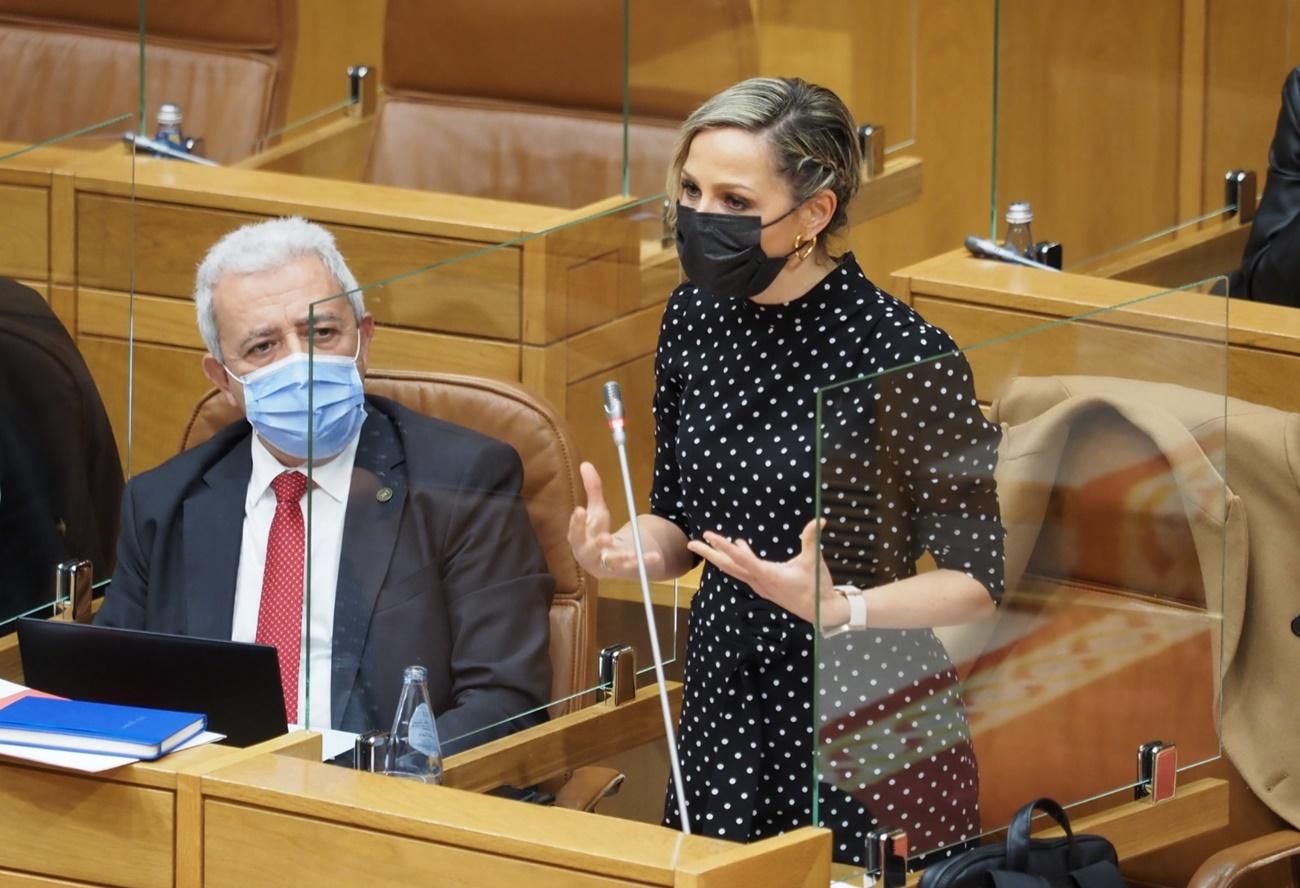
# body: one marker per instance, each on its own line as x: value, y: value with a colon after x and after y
x: 130, y: 826
x: 274, y: 815
x: 1185, y: 338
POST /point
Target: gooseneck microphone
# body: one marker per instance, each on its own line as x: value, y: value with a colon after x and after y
x: 614, y: 411
x: 613, y: 397
x: 987, y: 249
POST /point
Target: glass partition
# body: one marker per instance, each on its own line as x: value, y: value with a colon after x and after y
x: 1073, y: 472
x: 74, y: 91
x: 1120, y: 128
x: 680, y: 54
x: 456, y: 554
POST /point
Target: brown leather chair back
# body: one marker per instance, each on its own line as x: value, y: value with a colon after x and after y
x: 551, y: 488
x: 524, y: 101
x: 225, y: 62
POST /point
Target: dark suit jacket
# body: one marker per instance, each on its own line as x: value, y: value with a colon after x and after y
x: 60, y: 479
x: 446, y: 573
x: 1270, y: 266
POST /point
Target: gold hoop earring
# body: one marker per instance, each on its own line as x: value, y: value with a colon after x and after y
x: 801, y: 249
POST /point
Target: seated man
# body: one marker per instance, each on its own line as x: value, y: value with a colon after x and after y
x: 421, y: 552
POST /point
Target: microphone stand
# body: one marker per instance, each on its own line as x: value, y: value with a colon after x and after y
x: 614, y: 414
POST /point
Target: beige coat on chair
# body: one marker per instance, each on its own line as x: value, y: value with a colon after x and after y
x: 1261, y: 650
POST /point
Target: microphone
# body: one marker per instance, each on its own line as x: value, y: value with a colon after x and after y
x: 612, y: 394
x: 987, y: 249
x: 142, y: 141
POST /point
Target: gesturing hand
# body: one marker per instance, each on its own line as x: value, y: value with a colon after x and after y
x: 601, y: 553
x: 790, y: 584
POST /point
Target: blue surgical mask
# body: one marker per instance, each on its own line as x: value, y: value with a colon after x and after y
x: 275, y: 401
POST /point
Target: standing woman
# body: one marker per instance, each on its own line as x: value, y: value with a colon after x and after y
x: 763, y: 173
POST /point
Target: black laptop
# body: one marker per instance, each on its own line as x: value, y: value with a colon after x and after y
x: 236, y: 685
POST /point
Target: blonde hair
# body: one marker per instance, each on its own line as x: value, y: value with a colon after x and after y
x: 813, y: 136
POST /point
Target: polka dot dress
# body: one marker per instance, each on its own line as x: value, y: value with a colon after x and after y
x: 907, y: 467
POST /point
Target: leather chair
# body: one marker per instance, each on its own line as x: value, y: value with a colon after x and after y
x: 524, y: 101
x: 75, y: 63
x: 551, y: 491
x: 1231, y: 866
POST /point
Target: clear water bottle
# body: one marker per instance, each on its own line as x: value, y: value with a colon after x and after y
x: 1019, y: 215
x: 413, y: 749
x: 169, y: 126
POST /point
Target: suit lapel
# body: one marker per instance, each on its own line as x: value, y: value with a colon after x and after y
x: 213, y: 528
x: 372, y: 519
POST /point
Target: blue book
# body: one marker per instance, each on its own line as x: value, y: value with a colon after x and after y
x: 73, y: 726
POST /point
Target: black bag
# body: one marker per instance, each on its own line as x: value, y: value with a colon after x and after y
x: 1068, y: 862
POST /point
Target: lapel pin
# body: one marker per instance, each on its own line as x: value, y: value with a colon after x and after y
x: 384, y: 494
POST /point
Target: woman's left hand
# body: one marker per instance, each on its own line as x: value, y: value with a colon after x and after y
x: 791, y: 584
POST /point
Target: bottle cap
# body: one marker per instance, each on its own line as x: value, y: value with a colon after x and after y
x: 169, y: 114
x: 415, y: 673
x: 1020, y: 213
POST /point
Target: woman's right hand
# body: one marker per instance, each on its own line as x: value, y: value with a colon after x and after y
x: 600, y: 552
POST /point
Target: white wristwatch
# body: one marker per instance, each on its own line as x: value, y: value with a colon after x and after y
x: 857, y: 611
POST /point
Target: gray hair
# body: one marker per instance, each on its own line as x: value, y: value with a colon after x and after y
x: 262, y: 246
x: 813, y: 136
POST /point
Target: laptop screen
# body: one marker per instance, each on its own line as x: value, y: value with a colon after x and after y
x: 236, y: 685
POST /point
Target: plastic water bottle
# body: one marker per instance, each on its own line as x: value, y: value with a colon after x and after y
x: 413, y: 749
x: 169, y: 126
x: 1019, y: 215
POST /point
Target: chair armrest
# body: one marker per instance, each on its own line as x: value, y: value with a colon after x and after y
x: 1224, y: 868
x: 587, y: 786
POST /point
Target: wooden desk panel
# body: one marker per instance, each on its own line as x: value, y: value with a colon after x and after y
x: 245, y: 847
x: 1076, y: 348
x: 1191, y: 339
x: 24, y: 231
x: 476, y: 297
x: 86, y: 828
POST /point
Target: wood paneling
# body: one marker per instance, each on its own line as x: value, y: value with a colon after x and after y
x: 158, y: 320
x: 167, y: 385
x: 478, y: 296
x: 1250, y: 349
x: 332, y: 34
x: 587, y: 419
x: 24, y: 231
x: 953, y: 137
x: 865, y: 51
x: 1249, y: 52
x: 246, y: 847
x: 797, y: 859
x: 337, y: 150
x: 85, y: 828
x: 455, y: 819
x: 1088, y: 108
x: 1087, y: 347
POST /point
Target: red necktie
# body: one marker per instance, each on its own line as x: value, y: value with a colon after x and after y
x: 279, y: 615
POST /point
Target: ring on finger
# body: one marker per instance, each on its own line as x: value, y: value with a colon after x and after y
x: 604, y: 559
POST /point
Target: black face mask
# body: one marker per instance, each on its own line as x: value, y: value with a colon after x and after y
x: 721, y: 252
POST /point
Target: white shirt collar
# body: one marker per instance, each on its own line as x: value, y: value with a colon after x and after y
x: 331, y: 477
